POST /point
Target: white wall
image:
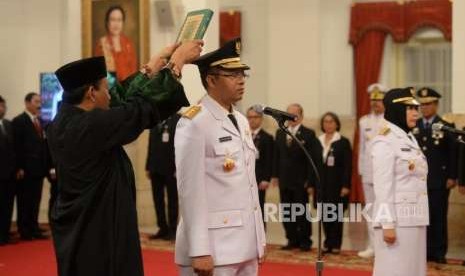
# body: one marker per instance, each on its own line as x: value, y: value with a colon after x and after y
x: 336, y: 58
x: 294, y: 54
x: 255, y: 47
x: 31, y: 43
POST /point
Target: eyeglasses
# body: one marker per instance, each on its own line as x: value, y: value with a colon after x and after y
x: 233, y: 75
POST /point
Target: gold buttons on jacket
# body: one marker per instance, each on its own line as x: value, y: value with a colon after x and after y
x: 411, y: 165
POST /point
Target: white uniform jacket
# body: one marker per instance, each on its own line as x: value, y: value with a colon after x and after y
x: 369, y: 126
x: 399, y: 173
x: 220, y: 213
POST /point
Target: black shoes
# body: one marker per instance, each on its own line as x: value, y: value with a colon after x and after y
x: 35, y: 236
x: 164, y: 235
x: 170, y: 237
x: 439, y: 260
x: 289, y: 246
x: 8, y: 241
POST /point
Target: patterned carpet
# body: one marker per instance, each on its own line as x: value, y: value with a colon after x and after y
x: 347, y: 259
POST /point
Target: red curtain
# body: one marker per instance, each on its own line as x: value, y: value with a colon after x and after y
x: 400, y: 20
x: 370, y: 23
x: 368, y: 55
x: 428, y: 13
x: 230, y: 26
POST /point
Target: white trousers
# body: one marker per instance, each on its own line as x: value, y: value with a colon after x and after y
x: 369, y: 193
x: 248, y: 268
x: 406, y: 257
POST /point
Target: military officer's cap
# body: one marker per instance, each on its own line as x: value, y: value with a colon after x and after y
x: 428, y: 95
x: 227, y: 57
x: 81, y: 72
x: 376, y: 91
x: 400, y: 96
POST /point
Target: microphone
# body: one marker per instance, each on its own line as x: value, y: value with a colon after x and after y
x: 442, y: 127
x: 277, y: 114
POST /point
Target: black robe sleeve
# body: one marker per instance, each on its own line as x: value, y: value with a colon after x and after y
x: 137, y: 104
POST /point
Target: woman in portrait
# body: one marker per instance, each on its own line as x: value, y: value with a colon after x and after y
x: 335, y: 177
x: 118, y: 49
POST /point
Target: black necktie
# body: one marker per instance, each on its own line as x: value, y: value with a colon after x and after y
x: 234, y: 121
x: 427, y: 125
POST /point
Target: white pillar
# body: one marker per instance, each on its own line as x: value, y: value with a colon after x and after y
x: 458, y: 57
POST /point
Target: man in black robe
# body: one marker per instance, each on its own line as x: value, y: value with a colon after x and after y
x: 94, y: 219
x: 7, y: 175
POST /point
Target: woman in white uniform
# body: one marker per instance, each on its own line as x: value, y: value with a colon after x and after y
x: 400, y: 212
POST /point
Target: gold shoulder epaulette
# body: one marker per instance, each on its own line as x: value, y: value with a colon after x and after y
x: 448, y: 119
x: 192, y: 111
x: 384, y: 131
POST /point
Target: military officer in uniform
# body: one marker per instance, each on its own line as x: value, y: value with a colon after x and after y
x: 461, y: 171
x: 400, y: 214
x: 220, y: 231
x: 369, y: 126
x: 440, y: 151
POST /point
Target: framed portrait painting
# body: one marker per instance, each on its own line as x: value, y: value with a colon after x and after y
x: 117, y: 30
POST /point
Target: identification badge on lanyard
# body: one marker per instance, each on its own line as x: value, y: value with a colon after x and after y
x: 165, y: 137
x: 330, y: 160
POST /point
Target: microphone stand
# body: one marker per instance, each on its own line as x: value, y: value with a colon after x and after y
x: 319, y: 265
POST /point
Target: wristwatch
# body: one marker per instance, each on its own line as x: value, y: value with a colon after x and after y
x: 174, y: 69
x: 146, y: 70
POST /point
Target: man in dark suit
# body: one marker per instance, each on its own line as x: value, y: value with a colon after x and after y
x: 295, y: 175
x: 30, y: 148
x: 440, y: 151
x: 264, y: 162
x: 52, y: 179
x: 161, y: 170
x: 461, y: 167
x: 7, y: 175
x: 461, y: 170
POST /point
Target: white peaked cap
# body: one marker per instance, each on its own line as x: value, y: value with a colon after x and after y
x: 379, y: 86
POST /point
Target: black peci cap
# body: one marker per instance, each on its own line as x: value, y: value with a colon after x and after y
x: 81, y: 72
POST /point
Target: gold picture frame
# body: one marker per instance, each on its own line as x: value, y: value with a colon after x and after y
x: 136, y: 21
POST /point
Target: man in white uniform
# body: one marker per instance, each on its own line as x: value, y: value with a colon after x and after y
x: 221, y: 230
x: 369, y: 126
